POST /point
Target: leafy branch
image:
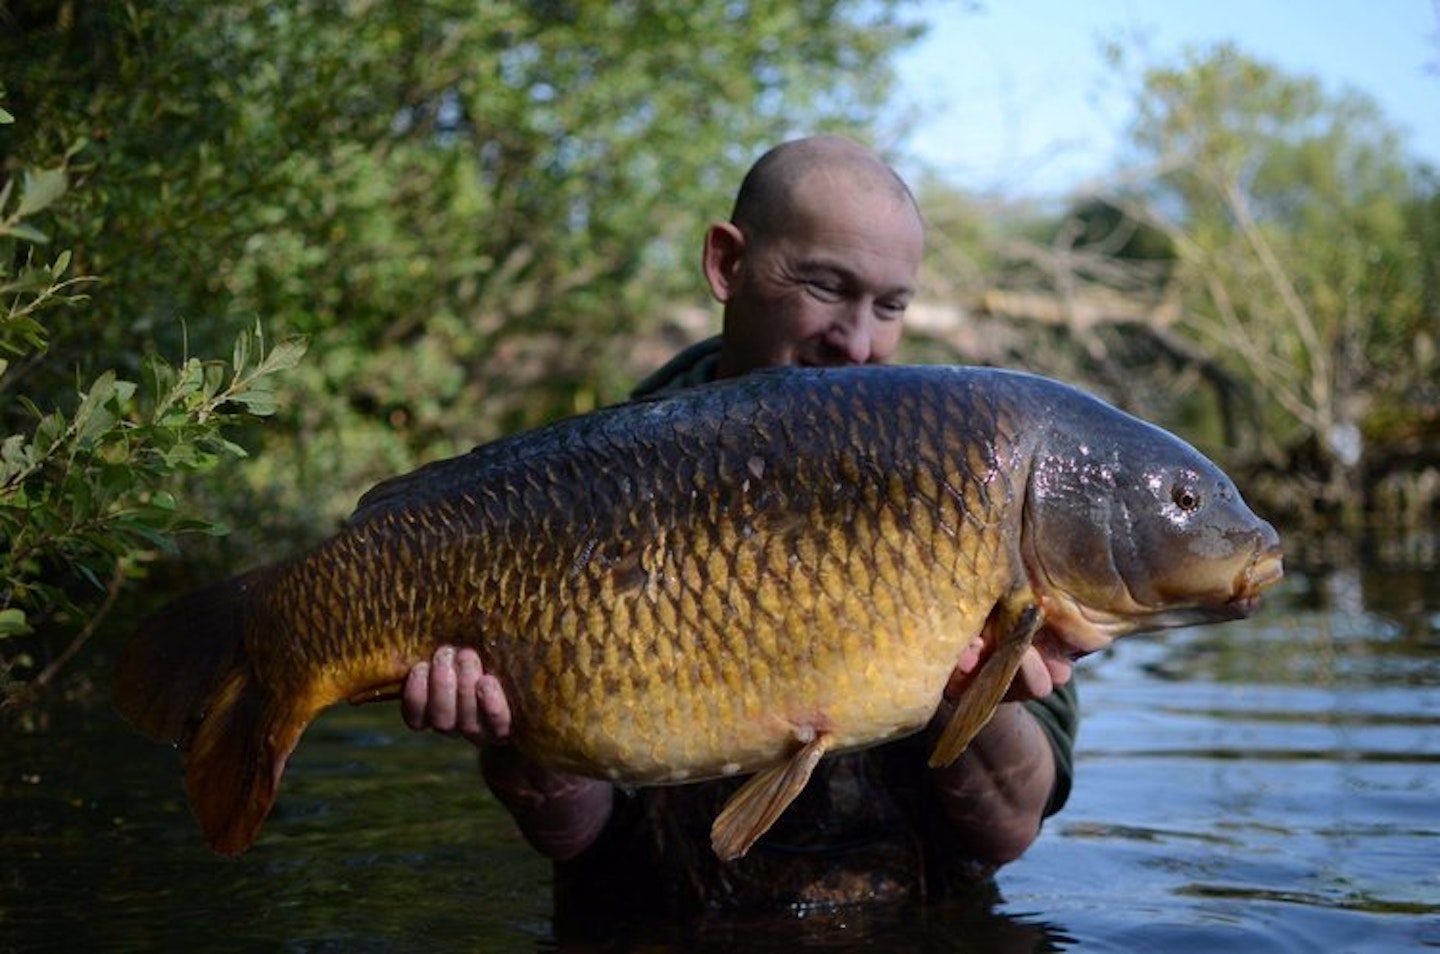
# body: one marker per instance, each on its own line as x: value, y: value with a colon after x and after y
x: 86, y: 484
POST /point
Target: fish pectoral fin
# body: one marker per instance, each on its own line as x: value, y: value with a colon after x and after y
x: 991, y: 682
x: 754, y: 808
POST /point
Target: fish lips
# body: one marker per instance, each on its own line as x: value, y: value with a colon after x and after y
x: 1263, y: 572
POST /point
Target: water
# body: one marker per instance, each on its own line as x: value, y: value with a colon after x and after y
x: 1271, y: 785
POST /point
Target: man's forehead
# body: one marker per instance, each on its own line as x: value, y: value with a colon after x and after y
x: 843, y: 217
x: 844, y: 230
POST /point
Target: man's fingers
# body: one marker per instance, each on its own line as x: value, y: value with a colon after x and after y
x: 1057, y: 657
x: 440, y: 709
x: 494, y: 708
x: 1033, y: 680
x: 467, y: 703
x: 415, y: 696
x: 453, y: 694
x: 1060, y: 665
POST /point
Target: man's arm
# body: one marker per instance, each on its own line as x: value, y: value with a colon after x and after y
x: 560, y: 815
x: 997, y: 793
x: 994, y: 795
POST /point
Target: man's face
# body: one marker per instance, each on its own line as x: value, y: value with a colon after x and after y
x: 832, y: 289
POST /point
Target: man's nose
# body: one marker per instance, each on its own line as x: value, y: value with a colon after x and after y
x: 850, y: 340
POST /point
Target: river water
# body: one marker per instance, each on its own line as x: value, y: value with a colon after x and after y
x: 1271, y: 785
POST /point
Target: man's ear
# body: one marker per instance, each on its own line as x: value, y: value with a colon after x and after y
x: 724, y: 251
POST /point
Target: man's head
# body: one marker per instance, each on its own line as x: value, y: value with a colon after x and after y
x: 818, y: 261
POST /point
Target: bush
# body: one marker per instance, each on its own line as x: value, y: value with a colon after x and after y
x: 87, y: 487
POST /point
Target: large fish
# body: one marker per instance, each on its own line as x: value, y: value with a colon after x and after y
x: 739, y: 578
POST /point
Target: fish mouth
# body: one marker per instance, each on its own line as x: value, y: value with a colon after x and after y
x: 1261, y: 573
x: 1051, y: 643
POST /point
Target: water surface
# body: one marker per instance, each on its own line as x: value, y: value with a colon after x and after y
x: 1263, y: 786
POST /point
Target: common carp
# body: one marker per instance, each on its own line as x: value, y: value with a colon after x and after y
x: 737, y: 578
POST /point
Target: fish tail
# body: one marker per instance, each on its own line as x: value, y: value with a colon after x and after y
x: 185, y: 679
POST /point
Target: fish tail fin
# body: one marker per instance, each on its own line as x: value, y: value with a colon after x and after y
x: 235, y: 759
x: 184, y: 679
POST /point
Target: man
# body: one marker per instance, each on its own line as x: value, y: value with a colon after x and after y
x: 815, y: 267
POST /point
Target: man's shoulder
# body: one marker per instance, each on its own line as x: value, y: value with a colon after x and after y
x: 694, y: 365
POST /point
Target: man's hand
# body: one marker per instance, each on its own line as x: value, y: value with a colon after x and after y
x: 1046, y: 664
x: 560, y: 815
x: 454, y: 694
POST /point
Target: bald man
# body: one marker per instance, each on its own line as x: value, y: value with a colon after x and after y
x: 815, y: 267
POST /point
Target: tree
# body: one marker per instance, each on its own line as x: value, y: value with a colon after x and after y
x: 468, y: 207
x: 1298, y: 267
x: 84, y: 499
x: 471, y: 210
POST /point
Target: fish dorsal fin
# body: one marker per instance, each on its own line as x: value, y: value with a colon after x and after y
x: 1018, y: 627
x: 754, y: 808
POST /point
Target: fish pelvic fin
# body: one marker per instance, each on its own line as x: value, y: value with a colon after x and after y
x: 759, y: 802
x: 184, y: 679
x: 1017, y: 623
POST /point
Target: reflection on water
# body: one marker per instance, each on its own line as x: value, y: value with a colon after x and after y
x: 1269, y: 785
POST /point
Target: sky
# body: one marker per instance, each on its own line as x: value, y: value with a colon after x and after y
x: 1013, y: 97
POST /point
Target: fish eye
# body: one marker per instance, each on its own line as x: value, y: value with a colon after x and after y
x: 1185, y: 497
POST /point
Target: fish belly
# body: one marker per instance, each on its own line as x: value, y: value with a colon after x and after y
x: 738, y: 634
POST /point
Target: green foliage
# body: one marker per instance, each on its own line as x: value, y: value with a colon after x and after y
x: 1301, y: 270
x: 1262, y: 277
x: 1104, y: 228
x: 91, y: 482
x: 472, y: 209
x: 87, y: 477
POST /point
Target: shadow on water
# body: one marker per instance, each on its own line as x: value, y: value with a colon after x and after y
x: 1263, y: 786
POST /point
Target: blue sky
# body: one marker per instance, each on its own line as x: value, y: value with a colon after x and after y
x: 1015, y: 97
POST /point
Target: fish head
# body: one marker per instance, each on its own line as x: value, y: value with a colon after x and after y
x: 1127, y: 528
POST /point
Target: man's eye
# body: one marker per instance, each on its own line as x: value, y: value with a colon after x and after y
x: 826, y: 291
x: 891, y: 309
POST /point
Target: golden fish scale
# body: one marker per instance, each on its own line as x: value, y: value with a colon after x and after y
x: 778, y: 566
